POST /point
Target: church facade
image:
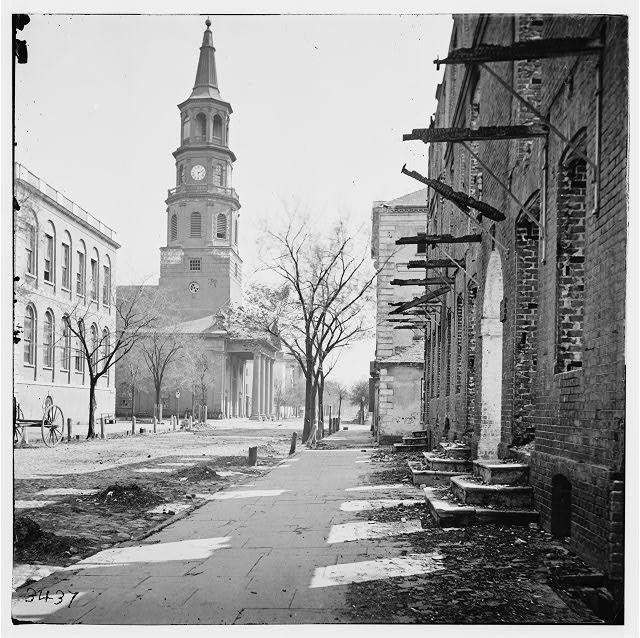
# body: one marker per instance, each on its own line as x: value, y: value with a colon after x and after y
x: 201, y: 267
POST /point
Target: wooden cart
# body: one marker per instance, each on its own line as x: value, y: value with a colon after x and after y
x: 51, y: 423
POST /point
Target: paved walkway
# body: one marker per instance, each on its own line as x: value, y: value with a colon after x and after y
x: 279, y: 550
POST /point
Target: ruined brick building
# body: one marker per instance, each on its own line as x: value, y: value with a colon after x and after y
x: 525, y: 349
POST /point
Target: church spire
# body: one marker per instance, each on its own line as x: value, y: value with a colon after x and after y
x: 206, y: 84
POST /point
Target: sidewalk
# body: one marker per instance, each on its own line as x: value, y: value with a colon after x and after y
x: 288, y: 548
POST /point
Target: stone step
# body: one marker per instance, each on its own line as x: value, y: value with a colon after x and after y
x: 414, y: 439
x: 453, y: 451
x: 498, y: 473
x: 444, y: 464
x: 406, y: 447
x: 423, y: 476
x: 469, y: 492
x: 448, y: 513
x: 421, y: 433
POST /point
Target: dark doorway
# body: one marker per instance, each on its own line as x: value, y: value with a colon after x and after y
x: 560, y: 506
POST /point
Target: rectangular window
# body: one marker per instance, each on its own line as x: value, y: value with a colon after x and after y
x: 66, y: 347
x: 79, y: 357
x: 28, y: 338
x: 30, y: 249
x: 194, y: 263
x: 80, y: 275
x: 66, y: 258
x: 94, y: 280
x: 48, y: 258
x: 106, y: 286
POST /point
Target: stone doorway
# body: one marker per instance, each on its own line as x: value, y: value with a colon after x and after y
x: 491, y: 377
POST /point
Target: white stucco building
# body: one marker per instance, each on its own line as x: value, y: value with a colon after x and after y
x: 65, y: 260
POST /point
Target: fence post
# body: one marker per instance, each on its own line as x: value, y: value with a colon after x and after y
x: 102, y: 427
x: 25, y: 434
x: 190, y: 422
x: 253, y: 455
x: 69, y: 433
x: 155, y: 424
x: 173, y: 422
x: 133, y: 425
x: 294, y: 439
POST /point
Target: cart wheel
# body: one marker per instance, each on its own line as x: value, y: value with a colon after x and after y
x: 52, y: 426
x: 18, y: 428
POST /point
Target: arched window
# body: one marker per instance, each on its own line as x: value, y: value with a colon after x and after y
x: 29, y: 335
x: 173, y: 228
x: 196, y: 225
x: 107, y: 348
x: 185, y: 127
x: 570, y: 250
x: 79, y: 355
x: 95, y: 274
x: 106, y: 281
x: 30, y: 249
x: 65, y: 267
x: 80, y: 269
x: 201, y: 125
x: 221, y: 226
x: 94, y: 346
x: 217, y: 127
x: 66, y: 344
x: 50, y: 253
x: 47, y: 339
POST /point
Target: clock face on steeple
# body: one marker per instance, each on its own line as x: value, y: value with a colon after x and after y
x: 198, y: 172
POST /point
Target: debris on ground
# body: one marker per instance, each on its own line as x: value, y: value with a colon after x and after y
x: 129, y: 495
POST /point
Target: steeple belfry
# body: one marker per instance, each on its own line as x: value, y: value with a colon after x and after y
x: 206, y: 84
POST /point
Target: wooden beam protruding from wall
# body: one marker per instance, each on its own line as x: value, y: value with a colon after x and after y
x: 435, y: 263
x: 429, y: 281
x: 521, y: 131
x: 525, y: 50
x: 423, y: 238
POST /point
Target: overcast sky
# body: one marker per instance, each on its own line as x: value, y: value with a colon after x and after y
x: 320, y: 104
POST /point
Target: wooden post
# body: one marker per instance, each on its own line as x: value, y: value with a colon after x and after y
x: 133, y: 425
x: 253, y: 455
x: 25, y: 434
x: 69, y: 432
x: 190, y: 422
x: 204, y: 413
x: 155, y: 424
x: 294, y: 440
x: 102, y: 427
x: 173, y: 422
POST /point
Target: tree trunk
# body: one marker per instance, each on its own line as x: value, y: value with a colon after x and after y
x: 133, y: 401
x: 92, y: 408
x: 339, y: 409
x: 309, y: 407
x: 320, y: 391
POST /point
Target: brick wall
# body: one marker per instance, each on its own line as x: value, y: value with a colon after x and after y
x: 563, y: 310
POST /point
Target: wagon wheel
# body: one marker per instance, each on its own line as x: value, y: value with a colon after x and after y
x: 18, y: 427
x: 52, y: 426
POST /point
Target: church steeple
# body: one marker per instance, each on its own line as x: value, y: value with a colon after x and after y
x: 206, y: 84
x: 201, y: 264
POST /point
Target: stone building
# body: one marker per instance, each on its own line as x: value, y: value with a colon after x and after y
x: 525, y: 355
x: 65, y: 259
x: 399, y: 358
x: 200, y: 265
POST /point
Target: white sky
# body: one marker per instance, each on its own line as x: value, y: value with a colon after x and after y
x: 320, y: 104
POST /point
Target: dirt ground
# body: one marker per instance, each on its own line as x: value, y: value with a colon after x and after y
x: 493, y: 574
x: 79, y: 498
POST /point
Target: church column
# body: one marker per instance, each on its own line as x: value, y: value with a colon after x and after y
x: 255, y: 395
x: 263, y: 385
x: 270, y: 362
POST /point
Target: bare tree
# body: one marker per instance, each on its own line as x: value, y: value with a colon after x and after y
x: 317, y: 307
x: 198, y: 368
x: 101, y: 351
x: 160, y: 349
